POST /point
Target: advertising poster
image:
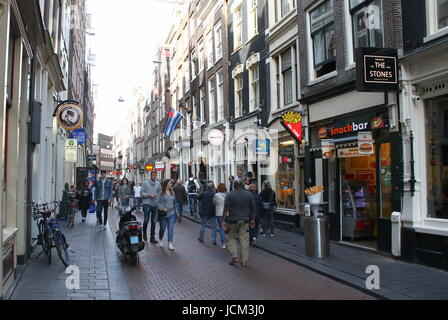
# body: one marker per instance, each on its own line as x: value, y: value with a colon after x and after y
x: 365, y: 143
x: 328, y: 149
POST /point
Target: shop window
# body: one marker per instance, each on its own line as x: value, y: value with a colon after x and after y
x: 323, y: 39
x: 437, y: 161
x: 285, y: 176
x: 367, y: 23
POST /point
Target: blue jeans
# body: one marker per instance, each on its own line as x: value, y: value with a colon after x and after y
x: 164, y: 221
x: 100, y: 205
x: 150, y: 213
x: 193, y: 201
x: 138, y: 201
x: 254, y: 232
x: 180, y: 208
x: 221, y: 231
x: 204, y: 220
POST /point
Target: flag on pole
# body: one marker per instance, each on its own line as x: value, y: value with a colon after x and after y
x: 172, y: 122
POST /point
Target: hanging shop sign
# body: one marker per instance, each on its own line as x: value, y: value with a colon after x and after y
x: 149, y: 167
x: 377, y: 69
x: 328, y: 149
x: 159, y: 166
x: 365, y: 143
x: 71, y: 151
x: 215, y: 137
x: 69, y: 115
x: 80, y: 135
x: 172, y: 153
x: 292, y: 122
x: 262, y: 146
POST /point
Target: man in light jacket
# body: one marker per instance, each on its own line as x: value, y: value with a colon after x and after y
x: 149, y: 192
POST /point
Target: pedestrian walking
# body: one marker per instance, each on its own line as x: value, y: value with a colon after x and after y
x: 124, y: 192
x: 269, y: 204
x: 181, y: 198
x: 192, y: 185
x: 239, y: 216
x: 149, y: 192
x: 103, y: 198
x: 167, y: 213
x: 207, y: 212
x: 138, y: 196
x: 253, y: 233
x: 85, y: 199
x: 115, y: 192
x: 219, y: 201
x: 231, y: 183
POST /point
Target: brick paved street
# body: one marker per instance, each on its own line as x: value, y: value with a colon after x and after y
x: 198, y: 271
x: 100, y: 271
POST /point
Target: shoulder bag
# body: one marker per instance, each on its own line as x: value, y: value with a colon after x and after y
x: 268, y: 205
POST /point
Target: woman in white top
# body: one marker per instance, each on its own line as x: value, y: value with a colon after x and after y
x: 218, y: 201
x: 137, y: 195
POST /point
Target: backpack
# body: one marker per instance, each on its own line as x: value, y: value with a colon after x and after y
x: 192, y: 187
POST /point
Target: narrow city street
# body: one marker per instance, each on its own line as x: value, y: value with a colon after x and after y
x: 194, y: 271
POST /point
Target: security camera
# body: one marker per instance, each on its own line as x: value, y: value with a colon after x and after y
x: 415, y: 98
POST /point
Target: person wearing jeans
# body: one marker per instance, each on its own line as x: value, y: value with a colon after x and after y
x: 207, y: 212
x: 103, y: 198
x: 167, y: 216
x: 192, y: 186
x: 219, y: 201
x: 149, y: 191
x: 181, y: 197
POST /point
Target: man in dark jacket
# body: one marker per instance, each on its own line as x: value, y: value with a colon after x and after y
x: 207, y: 211
x: 239, y: 215
x: 181, y: 196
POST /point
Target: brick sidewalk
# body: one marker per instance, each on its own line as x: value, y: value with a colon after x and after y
x: 95, y: 255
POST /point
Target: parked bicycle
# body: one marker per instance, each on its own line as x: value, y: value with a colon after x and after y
x: 73, y: 208
x: 50, y: 234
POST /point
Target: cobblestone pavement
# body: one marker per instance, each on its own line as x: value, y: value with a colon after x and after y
x: 196, y: 271
x: 101, y: 276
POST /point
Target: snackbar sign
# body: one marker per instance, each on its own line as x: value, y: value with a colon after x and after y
x: 292, y: 121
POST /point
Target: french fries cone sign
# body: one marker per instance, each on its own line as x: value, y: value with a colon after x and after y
x: 328, y: 149
x: 292, y: 121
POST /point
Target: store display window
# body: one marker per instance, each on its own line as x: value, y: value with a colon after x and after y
x: 285, y: 177
x: 437, y: 161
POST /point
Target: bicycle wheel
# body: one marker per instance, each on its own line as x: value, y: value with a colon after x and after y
x: 71, y: 217
x: 61, y: 247
x: 47, y: 245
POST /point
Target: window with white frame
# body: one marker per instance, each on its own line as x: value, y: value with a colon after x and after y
x: 287, y: 76
x: 285, y: 71
x: 237, y: 27
x: 218, y: 41
x: 186, y: 38
x: 220, y: 100
x: 437, y: 15
x: 252, y: 25
x: 323, y: 39
x: 202, y: 105
x: 212, y: 99
x: 282, y: 8
x: 254, y: 91
x: 194, y: 64
x: 210, y: 55
x: 196, y: 111
x: 201, y: 55
x: 367, y: 23
x: 238, y: 83
x: 187, y: 76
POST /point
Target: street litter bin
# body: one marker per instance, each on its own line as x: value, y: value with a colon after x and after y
x: 317, y: 237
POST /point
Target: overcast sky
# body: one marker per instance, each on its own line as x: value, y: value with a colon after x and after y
x: 127, y: 36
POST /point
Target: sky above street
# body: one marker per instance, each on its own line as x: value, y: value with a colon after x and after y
x: 127, y: 34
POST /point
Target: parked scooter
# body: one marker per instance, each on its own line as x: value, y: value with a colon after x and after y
x: 130, y: 235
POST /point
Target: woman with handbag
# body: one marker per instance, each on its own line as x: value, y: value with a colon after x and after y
x: 167, y: 213
x: 269, y: 204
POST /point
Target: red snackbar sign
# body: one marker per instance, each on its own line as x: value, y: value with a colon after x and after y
x: 292, y: 122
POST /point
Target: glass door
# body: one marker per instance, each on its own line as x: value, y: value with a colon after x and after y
x: 384, y: 196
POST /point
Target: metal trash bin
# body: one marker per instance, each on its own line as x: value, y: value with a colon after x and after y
x: 317, y: 237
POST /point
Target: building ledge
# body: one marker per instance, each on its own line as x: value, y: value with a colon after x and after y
x: 9, y: 233
x: 432, y: 230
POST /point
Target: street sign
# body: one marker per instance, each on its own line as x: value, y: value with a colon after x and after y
x: 71, y: 151
x: 80, y: 135
x: 377, y: 69
x: 262, y: 146
x: 91, y: 157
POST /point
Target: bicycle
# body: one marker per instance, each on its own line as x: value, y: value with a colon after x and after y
x: 72, y: 210
x: 50, y: 234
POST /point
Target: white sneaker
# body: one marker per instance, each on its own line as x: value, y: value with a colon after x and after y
x: 160, y: 243
x: 104, y: 227
x: 223, y: 246
x: 170, y: 245
x: 100, y: 228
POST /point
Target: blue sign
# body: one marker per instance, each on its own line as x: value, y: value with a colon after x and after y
x: 80, y: 135
x: 262, y: 147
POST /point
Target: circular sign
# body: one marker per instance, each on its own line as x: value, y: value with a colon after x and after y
x: 215, y: 137
x: 69, y: 116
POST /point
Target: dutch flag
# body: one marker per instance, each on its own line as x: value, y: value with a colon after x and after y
x: 174, y: 118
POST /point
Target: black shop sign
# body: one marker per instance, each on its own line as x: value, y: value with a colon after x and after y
x: 377, y: 69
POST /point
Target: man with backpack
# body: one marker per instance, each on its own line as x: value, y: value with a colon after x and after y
x: 192, y: 186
